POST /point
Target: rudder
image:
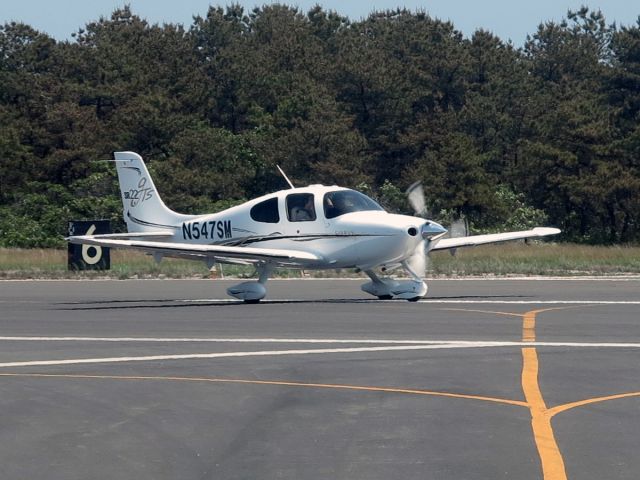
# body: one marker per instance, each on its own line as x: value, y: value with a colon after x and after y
x: 144, y: 210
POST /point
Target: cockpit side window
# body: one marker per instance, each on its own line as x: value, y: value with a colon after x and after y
x: 300, y: 207
x: 347, y: 201
x: 266, y: 212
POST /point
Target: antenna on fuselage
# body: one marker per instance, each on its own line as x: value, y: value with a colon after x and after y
x: 285, y: 176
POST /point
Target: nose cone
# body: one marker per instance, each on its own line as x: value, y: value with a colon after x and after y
x: 432, y: 229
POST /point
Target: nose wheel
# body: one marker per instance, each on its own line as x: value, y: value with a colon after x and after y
x: 388, y: 289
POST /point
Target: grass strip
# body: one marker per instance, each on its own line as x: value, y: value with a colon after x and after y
x: 514, y: 258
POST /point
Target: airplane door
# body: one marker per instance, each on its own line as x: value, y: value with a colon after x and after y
x: 301, y: 212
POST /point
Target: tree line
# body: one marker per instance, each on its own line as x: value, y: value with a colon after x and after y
x: 507, y: 137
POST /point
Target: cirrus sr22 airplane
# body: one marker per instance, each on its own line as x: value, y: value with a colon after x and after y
x: 315, y: 227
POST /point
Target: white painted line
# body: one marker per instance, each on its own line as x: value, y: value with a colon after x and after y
x: 536, y: 302
x: 229, y: 300
x: 425, y: 300
x: 381, y: 341
x: 578, y: 278
x: 581, y: 344
x: 589, y: 278
x: 451, y: 345
x: 231, y: 354
x: 227, y: 340
x: 367, y: 300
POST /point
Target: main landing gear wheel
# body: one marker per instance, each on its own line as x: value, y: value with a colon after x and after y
x: 414, y: 299
x: 253, y: 292
x: 385, y: 297
x: 252, y: 301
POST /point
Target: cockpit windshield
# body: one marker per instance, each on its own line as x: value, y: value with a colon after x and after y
x: 347, y: 201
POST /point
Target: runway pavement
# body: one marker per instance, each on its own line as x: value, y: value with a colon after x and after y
x: 514, y: 379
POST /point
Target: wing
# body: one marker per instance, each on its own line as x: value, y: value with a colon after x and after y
x: 218, y: 253
x: 130, y: 235
x: 446, y: 243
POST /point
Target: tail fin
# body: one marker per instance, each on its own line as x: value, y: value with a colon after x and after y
x: 144, y: 210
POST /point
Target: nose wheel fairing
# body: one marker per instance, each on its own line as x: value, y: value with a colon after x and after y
x: 412, y: 289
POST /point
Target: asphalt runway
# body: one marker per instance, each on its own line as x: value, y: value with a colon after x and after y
x: 163, y: 379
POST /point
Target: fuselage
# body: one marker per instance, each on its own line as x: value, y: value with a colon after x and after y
x: 344, y: 227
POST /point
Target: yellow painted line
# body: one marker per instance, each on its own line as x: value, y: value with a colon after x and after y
x: 588, y: 401
x: 274, y: 382
x: 548, y: 450
x: 529, y: 321
x: 529, y: 326
x: 511, y: 314
x: 552, y: 463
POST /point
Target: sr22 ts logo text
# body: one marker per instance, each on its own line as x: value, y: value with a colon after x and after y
x: 139, y: 195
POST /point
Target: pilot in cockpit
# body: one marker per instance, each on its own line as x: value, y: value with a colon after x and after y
x: 303, y: 213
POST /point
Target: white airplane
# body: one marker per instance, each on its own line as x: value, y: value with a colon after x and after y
x: 315, y: 227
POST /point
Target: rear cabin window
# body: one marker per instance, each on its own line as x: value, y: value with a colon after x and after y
x: 300, y: 207
x: 266, y: 212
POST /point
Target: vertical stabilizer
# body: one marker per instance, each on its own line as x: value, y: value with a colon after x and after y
x: 144, y: 210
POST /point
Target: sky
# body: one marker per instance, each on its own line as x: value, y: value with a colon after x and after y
x: 508, y: 19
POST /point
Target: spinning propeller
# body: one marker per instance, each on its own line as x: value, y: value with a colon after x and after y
x: 418, y: 261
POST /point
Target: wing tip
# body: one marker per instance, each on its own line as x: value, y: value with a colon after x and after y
x: 544, y: 231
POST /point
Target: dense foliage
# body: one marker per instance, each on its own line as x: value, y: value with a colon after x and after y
x: 504, y: 136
